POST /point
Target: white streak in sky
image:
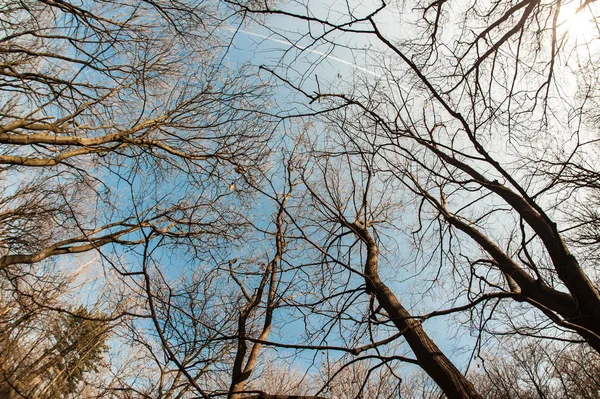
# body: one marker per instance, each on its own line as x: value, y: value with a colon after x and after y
x: 331, y: 57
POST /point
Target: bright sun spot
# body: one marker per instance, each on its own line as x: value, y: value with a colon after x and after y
x: 577, y: 24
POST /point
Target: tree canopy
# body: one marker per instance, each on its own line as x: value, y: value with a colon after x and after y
x: 401, y: 199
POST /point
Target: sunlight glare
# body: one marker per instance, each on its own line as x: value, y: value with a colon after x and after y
x: 577, y: 24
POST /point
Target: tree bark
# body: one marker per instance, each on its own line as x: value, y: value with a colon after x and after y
x: 452, y: 382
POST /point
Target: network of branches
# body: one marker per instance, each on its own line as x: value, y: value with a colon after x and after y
x: 262, y: 199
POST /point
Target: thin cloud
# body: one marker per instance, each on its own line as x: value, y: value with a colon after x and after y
x: 313, y: 51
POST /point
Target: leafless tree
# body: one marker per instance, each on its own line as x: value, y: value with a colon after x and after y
x: 126, y: 138
x: 539, y: 369
x: 112, y: 109
x: 249, y: 347
x: 466, y: 153
x: 484, y: 114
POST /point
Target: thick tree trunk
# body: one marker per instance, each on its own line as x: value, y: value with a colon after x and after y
x: 452, y: 382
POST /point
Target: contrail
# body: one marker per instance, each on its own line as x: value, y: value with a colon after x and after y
x: 331, y: 57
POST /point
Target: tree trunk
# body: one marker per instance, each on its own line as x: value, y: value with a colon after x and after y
x: 452, y: 382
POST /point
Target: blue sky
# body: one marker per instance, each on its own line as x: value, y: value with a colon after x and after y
x: 335, y: 66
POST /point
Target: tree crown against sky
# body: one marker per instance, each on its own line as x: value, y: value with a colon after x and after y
x: 124, y: 134
x: 456, y: 178
x: 482, y: 115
